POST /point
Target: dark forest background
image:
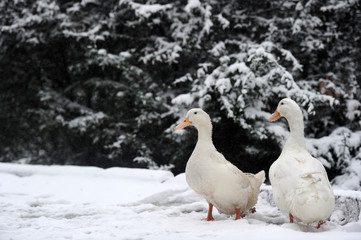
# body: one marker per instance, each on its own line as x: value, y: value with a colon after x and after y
x: 103, y: 82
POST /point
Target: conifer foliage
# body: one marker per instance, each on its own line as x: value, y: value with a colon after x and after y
x: 103, y: 82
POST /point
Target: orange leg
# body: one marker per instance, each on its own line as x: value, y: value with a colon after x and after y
x: 238, y: 214
x: 209, y: 217
x: 291, y: 218
x: 253, y: 210
x: 319, y: 224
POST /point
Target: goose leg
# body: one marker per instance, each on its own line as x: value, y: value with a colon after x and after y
x: 238, y: 214
x: 253, y: 210
x: 319, y: 224
x: 209, y: 217
x: 291, y: 218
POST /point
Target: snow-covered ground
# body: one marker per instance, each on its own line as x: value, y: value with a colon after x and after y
x: 78, y: 203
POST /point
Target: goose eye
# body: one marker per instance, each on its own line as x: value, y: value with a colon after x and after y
x: 282, y: 103
x: 195, y: 112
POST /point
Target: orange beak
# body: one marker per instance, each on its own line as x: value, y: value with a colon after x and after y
x: 275, y: 116
x: 183, y: 124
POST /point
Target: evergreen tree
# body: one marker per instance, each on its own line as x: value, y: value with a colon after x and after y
x: 103, y: 83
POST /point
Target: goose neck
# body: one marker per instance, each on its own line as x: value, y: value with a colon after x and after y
x: 205, y: 134
x: 296, y: 138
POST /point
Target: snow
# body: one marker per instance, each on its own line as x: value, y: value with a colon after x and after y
x: 337, y: 147
x: 289, y: 57
x: 192, y: 4
x: 185, y: 98
x: 92, y: 33
x: 146, y: 10
x: 184, y: 78
x: 218, y: 49
x: 337, y: 5
x: 353, y: 109
x: 208, y: 22
x: 86, y: 2
x: 224, y: 85
x: 241, y: 67
x: 253, y: 113
x: 166, y: 51
x: 83, y: 122
x: 352, y: 178
x: 224, y: 22
x: 69, y: 202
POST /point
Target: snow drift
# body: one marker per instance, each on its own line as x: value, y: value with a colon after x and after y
x: 68, y: 202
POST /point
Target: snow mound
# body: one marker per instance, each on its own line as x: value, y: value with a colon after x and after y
x: 68, y: 202
x: 92, y: 172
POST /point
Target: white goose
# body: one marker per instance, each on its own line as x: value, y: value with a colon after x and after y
x: 299, y: 181
x: 209, y: 174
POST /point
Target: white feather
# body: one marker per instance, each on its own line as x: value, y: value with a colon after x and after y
x: 299, y: 182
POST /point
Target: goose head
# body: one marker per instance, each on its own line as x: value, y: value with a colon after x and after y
x: 196, y: 117
x: 286, y: 108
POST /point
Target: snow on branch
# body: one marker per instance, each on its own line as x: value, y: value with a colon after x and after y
x: 145, y: 10
x: 165, y: 51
